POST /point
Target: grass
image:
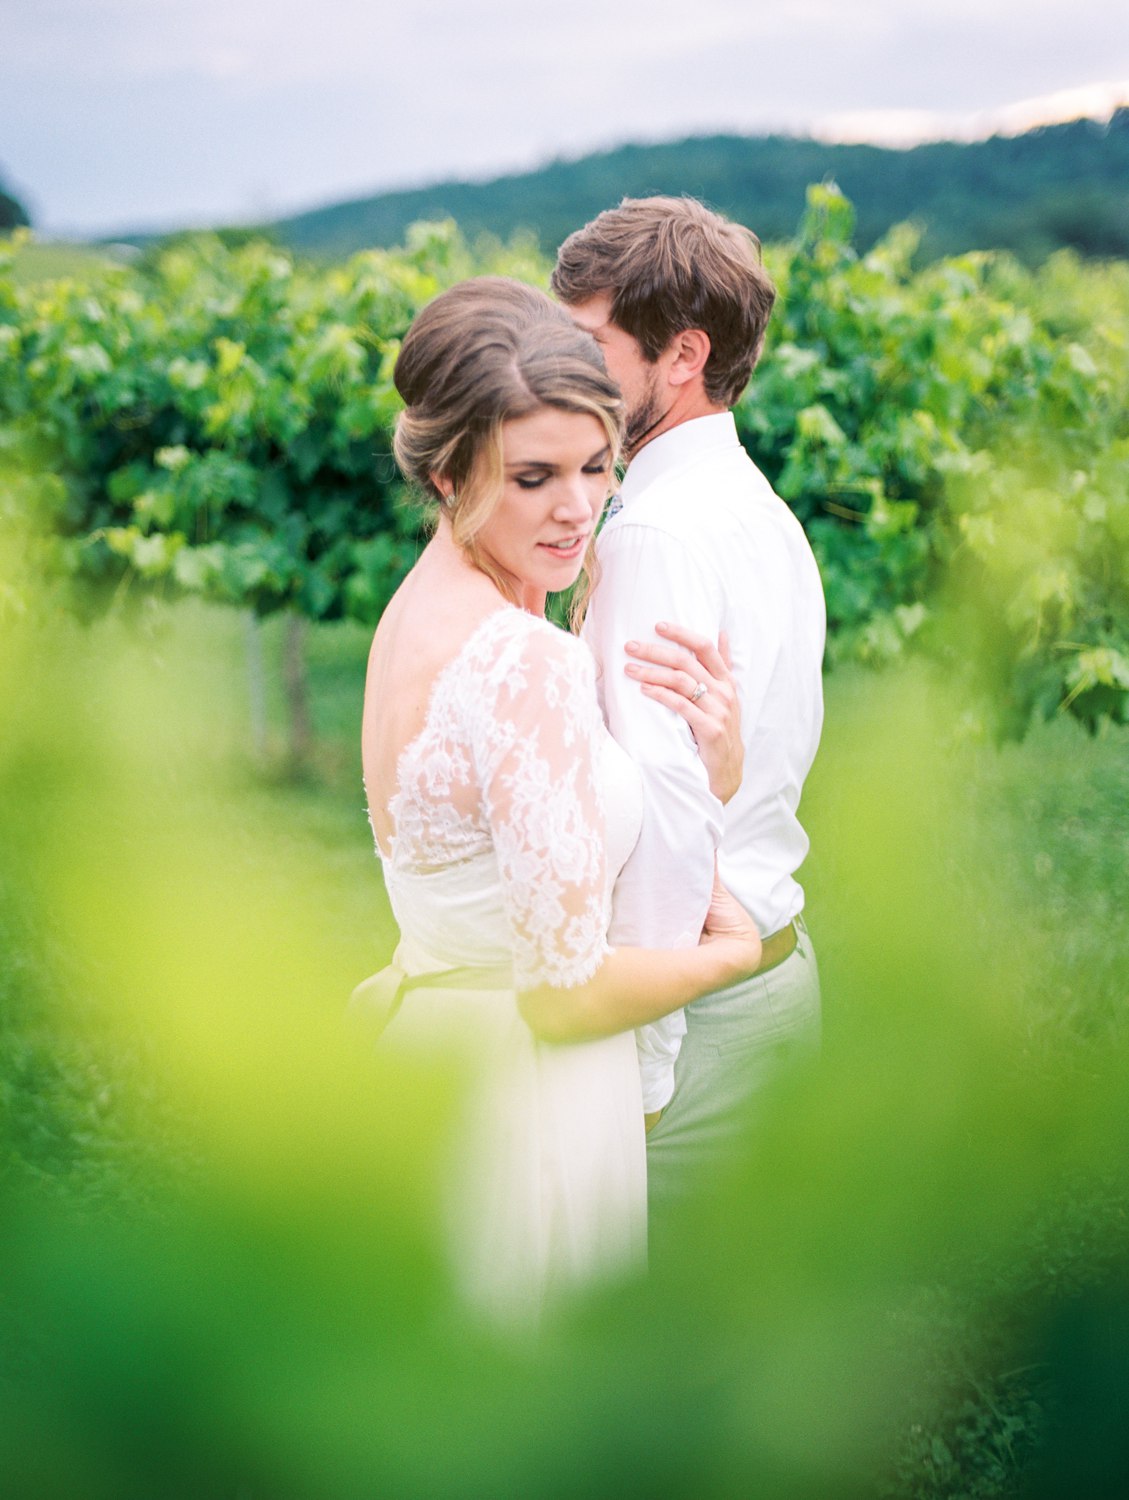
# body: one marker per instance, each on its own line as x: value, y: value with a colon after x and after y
x: 1040, y: 859
x: 1040, y: 843
x: 38, y: 261
x: 70, y: 1101
x: 1009, y: 864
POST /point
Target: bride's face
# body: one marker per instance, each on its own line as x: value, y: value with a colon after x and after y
x: 557, y: 468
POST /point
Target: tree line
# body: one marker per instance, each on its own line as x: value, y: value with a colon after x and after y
x: 13, y: 214
x: 1059, y: 186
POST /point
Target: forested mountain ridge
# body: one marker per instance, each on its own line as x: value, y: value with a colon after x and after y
x: 1032, y: 193
x: 13, y: 214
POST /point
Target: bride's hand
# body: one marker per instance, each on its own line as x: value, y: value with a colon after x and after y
x: 728, y: 922
x: 676, y: 675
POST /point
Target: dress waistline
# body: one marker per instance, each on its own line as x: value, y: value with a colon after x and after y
x: 376, y: 1000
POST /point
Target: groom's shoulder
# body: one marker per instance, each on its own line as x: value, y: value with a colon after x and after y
x: 725, y: 497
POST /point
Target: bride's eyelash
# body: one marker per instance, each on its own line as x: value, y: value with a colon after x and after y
x: 535, y: 481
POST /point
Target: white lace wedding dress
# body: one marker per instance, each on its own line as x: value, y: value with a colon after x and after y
x: 513, y: 812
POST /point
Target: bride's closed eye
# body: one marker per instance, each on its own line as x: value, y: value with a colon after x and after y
x: 535, y: 481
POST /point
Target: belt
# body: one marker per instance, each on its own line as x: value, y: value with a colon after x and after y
x: 778, y: 947
x: 376, y: 1000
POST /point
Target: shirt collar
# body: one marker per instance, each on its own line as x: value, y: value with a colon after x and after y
x: 680, y: 445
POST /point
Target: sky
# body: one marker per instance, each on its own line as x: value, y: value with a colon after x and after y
x: 133, y: 114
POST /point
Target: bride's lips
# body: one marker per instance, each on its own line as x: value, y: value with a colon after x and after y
x: 566, y: 554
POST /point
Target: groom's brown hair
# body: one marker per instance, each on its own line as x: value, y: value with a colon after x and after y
x: 670, y: 264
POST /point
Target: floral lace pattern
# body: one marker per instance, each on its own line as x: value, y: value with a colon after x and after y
x: 507, y: 760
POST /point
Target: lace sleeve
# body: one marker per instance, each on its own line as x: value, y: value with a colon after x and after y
x: 538, y: 766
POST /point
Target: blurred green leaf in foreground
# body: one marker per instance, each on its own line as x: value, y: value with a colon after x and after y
x: 220, y: 1272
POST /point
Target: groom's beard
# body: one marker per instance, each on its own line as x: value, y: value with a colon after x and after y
x: 643, y: 417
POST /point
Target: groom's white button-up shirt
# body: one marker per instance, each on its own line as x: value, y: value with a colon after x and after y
x: 703, y: 541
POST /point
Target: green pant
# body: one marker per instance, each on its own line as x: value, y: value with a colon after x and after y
x: 736, y: 1041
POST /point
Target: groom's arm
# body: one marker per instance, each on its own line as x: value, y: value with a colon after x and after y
x: 663, y: 893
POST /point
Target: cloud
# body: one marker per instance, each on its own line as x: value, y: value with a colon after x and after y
x: 909, y: 127
x: 120, y: 110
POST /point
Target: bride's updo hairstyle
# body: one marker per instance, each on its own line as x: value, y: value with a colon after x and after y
x: 480, y: 354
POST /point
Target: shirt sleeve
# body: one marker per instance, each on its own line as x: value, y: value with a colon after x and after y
x: 538, y: 764
x: 662, y: 894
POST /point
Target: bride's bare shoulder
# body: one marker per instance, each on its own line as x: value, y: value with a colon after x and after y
x: 429, y: 616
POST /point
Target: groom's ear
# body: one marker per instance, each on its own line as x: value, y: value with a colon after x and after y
x: 688, y: 352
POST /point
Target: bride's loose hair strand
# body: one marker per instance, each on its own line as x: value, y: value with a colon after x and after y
x: 479, y: 355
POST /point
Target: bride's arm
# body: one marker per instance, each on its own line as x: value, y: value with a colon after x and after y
x: 538, y: 757
x: 634, y: 986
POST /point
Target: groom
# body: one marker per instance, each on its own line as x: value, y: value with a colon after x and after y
x: 678, y: 300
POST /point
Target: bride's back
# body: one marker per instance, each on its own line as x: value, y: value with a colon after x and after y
x: 429, y: 620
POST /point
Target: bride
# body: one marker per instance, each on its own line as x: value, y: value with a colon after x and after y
x: 502, y: 809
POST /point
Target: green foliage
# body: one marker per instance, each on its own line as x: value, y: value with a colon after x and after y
x: 219, y: 1274
x: 13, y: 214
x: 956, y: 443
x: 217, y: 421
x: 36, y: 260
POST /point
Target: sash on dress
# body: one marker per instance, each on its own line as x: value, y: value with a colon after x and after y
x: 375, y: 1001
